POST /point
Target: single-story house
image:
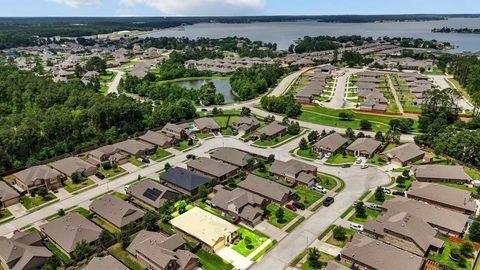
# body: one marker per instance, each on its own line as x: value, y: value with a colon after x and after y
x: 107, y: 262
x: 183, y: 180
x: 212, y: 231
x: 329, y: 69
x: 116, y: 211
x: 294, y: 171
x: 248, y: 206
x: 366, y: 147
x: 178, y: 132
x: 71, y: 165
x: 135, y: 148
x: 403, y: 155
x: 39, y: 176
x: 246, y: 124
x: 446, y: 221
x: 268, y: 189
x: 8, y: 195
x: 405, y: 231
x: 206, y: 125
x: 329, y: 144
x: 444, y: 196
x: 158, y: 139
x: 24, y: 251
x: 152, y: 193
x: 441, y: 173
x: 211, y: 168
x: 66, y: 232
x: 273, y: 130
x: 158, y: 252
x: 231, y: 156
x: 107, y: 153
x: 368, y: 253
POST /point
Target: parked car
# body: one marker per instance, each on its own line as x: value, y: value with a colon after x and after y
x: 100, y: 175
x: 299, y: 205
x: 346, y: 166
x: 204, y: 110
x: 254, y: 137
x: 291, y: 207
x: 209, y: 203
x: 327, y: 155
x: 145, y: 159
x: 126, y: 187
x: 234, y: 132
x: 387, y: 190
x: 364, y: 166
x: 359, y: 161
x: 373, y: 206
x: 356, y: 227
x: 319, y: 189
x: 328, y: 201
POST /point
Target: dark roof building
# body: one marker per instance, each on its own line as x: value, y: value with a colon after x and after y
x: 231, y: 156
x: 404, y: 154
x: 183, y: 180
x: 157, y: 139
x: 273, y: 129
x: 246, y: 124
x: 268, y: 189
x: 152, y: 193
x: 116, y: 211
x: 211, y: 168
x: 364, y: 147
x: 24, y: 251
x: 71, y: 165
x: 104, y: 263
x: 294, y: 171
x: 441, y: 173
x: 329, y: 144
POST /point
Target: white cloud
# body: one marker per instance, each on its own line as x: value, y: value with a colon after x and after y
x: 202, y: 7
x: 77, y: 3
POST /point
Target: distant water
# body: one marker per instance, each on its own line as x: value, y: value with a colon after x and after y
x: 284, y: 33
x: 222, y: 86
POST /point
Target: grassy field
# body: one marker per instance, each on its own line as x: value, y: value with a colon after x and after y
x: 5, y: 213
x: 209, y: 261
x: 474, y: 174
x: 257, y: 239
x: 373, y: 200
x: 135, y: 161
x: 340, y: 159
x: 111, y: 172
x: 376, y: 160
x: 332, y: 241
x: 370, y: 215
x: 324, y: 259
x: 403, y: 187
x: 288, y: 216
x: 72, y: 187
x: 307, y: 196
x: 122, y: 255
x: 225, y: 121
x: 159, y: 154
x: 182, y: 145
x: 31, y: 202
x: 275, y: 141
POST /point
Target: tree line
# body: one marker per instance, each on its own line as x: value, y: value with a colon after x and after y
x: 248, y: 83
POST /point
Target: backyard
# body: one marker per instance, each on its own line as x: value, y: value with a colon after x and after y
x: 31, y: 202
x: 105, y: 225
x: 272, y: 219
x: 55, y: 250
x: 256, y: 239
x: 275, y: 141
x: 122, y: 255
x: 444, y: 257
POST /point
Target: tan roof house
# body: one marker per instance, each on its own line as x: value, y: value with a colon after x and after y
x: 39, y: 176
x: 135, y: 148
x: 404, y: 154
x: 8, y: 195
x: 156, y: 251
x: 116, y: 211
x: 106, y: 262
x: 448, y: 197
x: 441, y: 173
x: 176, y: 131
x: 246, y: 124
x: 24, y: 251
x: 335, y: 266
x: 231, y: 156
x: 211, y: 168
x: 206, y: 125
x: 366, y: 147
x: 329, y: 144
x: 294, y: 171
x: 272, y: 130
x: 107, y: 153
x: 66, y: 232
x: 268, y: 189
x: 213, y: 232
x: 70, y: 165
x: 152, y: 193
x: 158, y: 139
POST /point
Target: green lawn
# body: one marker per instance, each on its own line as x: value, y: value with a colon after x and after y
x: 5, y: 213
x: 120, y: 195
x: 203, y: 135
x: 55, y: 250
x: 324, y: 233
x: 444, y: 257
x: 327, y: 181
x: 376, y: 160
x: 105, y: 225
x: 324, y: 259
x: 226, y: 131
x: 370, y: 216
x: 104, y: 90
x: 474, y: 174
x: 332, y: 241
x: 122, y: 255
x: 307, y: 196
x: 459, y: 186
x: 288, y: 215
x: 108, y: 77
x: 82, y: 211
x: 263, y: 251
x: 340, y: 159
x: 373, y: 200
x: 275, y: 141
x: 222, y: 121
x: 31, y: 202
x: 72, y: 187
x: 404, y: 186
x: 209, y: 261
x: 159, y: 154
x: 257, y: 239
x: 182, y: 145
x: 111, y: 172
x: 135, y: 161
x: 306, y: 154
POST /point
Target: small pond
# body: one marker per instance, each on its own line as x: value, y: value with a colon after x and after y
x: 222, y: 86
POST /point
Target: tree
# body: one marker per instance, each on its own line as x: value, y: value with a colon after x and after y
x: 379, y: 195
x: 123, y: 239
x: 149, y: 221
x: 261, y: 165
x: 406, y: 173
x: 52, y: 263
x: 379, y: 136
x: 339, y: 233
x: 313, y: 258
x: 313, y: 136
x: 82, y: 251
x: 61, y: 212
x: 263, y: 137
x: 271, y: 158
x: 303, y: 145
x: 350, y: 134
x: 245, y: 111
x: 344, y: 116
x: 97, y: 64
x: 202, y: 191
x: 280, y: 214
x: 365, y: 124
x: 42, y: 192
x: 293, y: 128
x: 77, y: 177
x: 285, y: 121
x: 105, y: 238
x: 475, y: 231
x: 360, y: 210
x: 167, y: 166
x: 466, y: 249
x: 248, y: 242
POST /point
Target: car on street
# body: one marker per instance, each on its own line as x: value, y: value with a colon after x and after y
x: 328, y: 201
x: 319, y: 189
x: 100, y: 175
x: 291, y: 207
x: 299, y: 205
x: 356, y: 227
x: 364, y: 166
x: 346, y: 166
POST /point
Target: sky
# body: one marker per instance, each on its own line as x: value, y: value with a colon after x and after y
x: 113, y: 8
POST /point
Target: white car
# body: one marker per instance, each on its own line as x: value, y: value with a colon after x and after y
x: 364, y: 166
x: 387, y: 190
x: 359, y: 161
x: 356, y: 227
x: 319, y: 189
x: 126, y: 187
x: 327, y: 155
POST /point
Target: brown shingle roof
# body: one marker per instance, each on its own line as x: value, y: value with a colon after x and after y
x: 442, y: 194
x: 405, y: 152
x: 441, y: 172
x: 293, y: 168
x: 364, y: 145
x: 116, y: 211
x: 156, y: 138
x: 104, y: 263
x: 28, y: 176
x: 211, y: 167
x: 232, y: 156
x: 152, y: 193
x: 331, y: 142
x: 265, y: 187
x: 272, y: 129
x: 20, y: 254
x: 70, y: 165
x: 206, y: 123
x: 7, y: 192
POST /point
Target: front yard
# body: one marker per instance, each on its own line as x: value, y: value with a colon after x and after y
x: 31, y: 202
x: 272, y: 219
x: 5, y: 213
x: 182, y: 145
x: 111, y: 172
x: 373, y: 200
x: 371, y: 214
x: 275, y: 141
x: 327, y: 182
x: 307, y: 196
x: 341, y: 243
x: 72, y: 187
x: 209, y: 261
x: 306, y: 154
x: 256, y: 239
x: 324, y: 259
x: 160, y: 154
x: 341, y: 159
x: 135, y: 161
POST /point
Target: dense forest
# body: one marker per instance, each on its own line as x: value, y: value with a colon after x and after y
x: 466, y: 70
x: 464, y: 30
x: 42, y: 119
x: 324, y: 43
x: 248, y: 83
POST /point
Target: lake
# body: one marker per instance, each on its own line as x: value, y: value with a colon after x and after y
x: 222, y: 86
x: 284, y: 33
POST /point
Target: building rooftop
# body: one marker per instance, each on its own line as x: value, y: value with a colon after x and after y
x: 212, y: 167
x: 152, y: 193
x: 107, y: 262
x: 184, y: 178
x: 265, y: 187
x: 441, y: 172
x: 331, y: 142
x: 232, y: 156
x: 116, y: 211
x: 272, y: 129
x: 364, y: 145
x: 70, y: 165
x: 449, y: 196
x: 7, y: 192
x: 21, y: 251
x: 28, y: 176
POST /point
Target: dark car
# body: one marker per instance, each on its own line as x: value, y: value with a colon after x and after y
x: 100, y: 175
x: 299, y: 205
x: 291, y: 207
x: 346, y: 166
x: 204, y: 110
x: 328, y: 201
x: 145, y: 159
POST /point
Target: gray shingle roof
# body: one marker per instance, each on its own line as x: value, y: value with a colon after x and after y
x: 156, y: 138
x: 72, y: 164
x: 404, y: 152
x: 232, y: 156
x: 265, y: 187
x: 442, y: 194
x: 446, y: 172
x: 212, y: 167
x: 331, y: 142
x: 116, y: 211
x: 364, y: 145
x: 20, y: 254
x: 104, y: 263
x: 184, y: 178
x: 272, y: 129
x: 147, y: 190
x: 28, y: 176
x: 7, y: 192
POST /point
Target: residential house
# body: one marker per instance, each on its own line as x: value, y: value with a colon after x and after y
x: 178, y: 132
x: 211, y: 231
x: 367, y: 253
x: 24, y: 251
x: 39, y: 176
x: 206, y: 125
x: 366, y: 147
x: 158, y: 139
x: 273, y: 130
x: 308, y: 94
x: 67, y: 231
x: 268, y: 189
x: 69, y: 166
x: 403, y: 155
x: 212, y: 169
x: 106, y: 262
x: 444, y: 196
x: 294, y: 171
x: 328, y: 69
x: 445, y: 221
x: 183, y: 180
x: 116, y: 211
x: 107, y: 153
x: 246, y: 124
x: 152, y: 193
x: 158, y: 252
x: 8, y: 195
x: 331, y: 265
x: 331, y: 143
x: 441, y: 173
x: 241, y: 203
x: 232, y: 156
x: 366, y: 87
x: 135, y: 148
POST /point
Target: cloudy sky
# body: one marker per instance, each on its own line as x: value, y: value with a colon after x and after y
x: 16, y: 8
